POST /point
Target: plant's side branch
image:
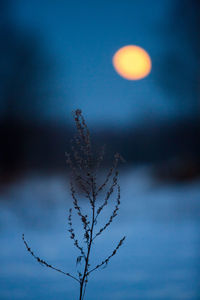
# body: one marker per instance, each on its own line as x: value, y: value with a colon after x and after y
x: 84, y: 218
x: 114, y: 214
x: 109, y: 193
x: 84, y: 134
x: 82, y: 182
x: 117, y: 157
x: 78, y: 157
x: 106, y: 180
x: 44, y: 262
x: 72, y: 234
x: 109, y: 257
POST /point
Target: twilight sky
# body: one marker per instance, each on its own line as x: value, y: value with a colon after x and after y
x: 78, y: 40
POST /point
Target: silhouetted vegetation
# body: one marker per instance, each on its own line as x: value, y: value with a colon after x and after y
x: 84, y: 167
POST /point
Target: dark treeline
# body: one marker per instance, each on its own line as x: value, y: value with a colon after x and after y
x: 36, y: 147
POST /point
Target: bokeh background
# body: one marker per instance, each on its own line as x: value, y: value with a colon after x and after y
x: 55, y: 57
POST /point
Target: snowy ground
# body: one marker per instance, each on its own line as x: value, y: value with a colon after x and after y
x: 160, y: 258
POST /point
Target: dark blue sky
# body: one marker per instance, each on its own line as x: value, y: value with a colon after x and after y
x: 79, y: 39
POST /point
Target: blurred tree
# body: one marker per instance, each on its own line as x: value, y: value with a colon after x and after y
x: 24, y: 69
x: 24, y: 90
x: 178, y: 69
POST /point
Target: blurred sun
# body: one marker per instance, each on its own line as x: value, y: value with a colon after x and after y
x: 132, y: 62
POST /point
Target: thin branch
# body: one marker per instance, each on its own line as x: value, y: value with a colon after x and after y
x: 72, y: 234
x: 109, y: 257
x: 84, y: 218
x: 41, y: 261
x: 114, y: 214
x: 117, y: 157
x: 109, y: 193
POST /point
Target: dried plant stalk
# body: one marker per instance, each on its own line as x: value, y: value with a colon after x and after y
x: 84, y: 167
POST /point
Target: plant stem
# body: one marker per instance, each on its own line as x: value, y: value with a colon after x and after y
x: 89, y: 246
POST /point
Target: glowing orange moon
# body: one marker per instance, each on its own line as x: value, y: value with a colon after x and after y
x: 132, y: 62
